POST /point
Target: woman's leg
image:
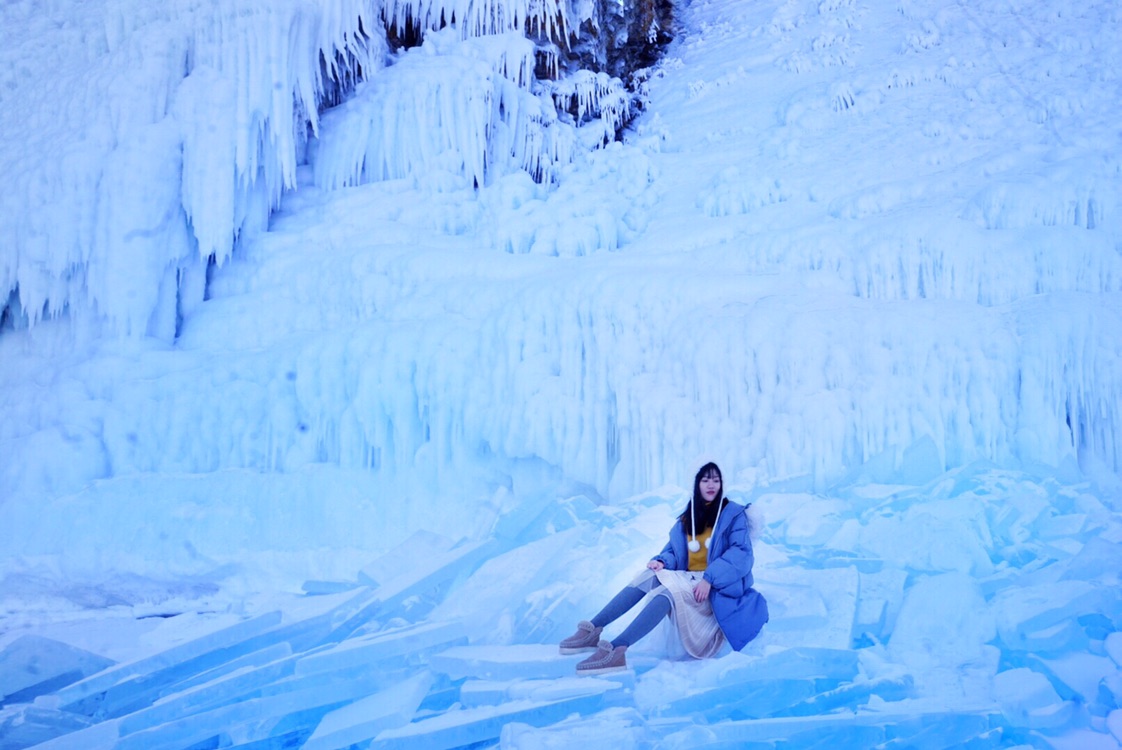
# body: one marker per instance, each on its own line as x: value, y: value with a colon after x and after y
x: 620, y: 603
x: 624, y: 600
x: 645, y: 622
x: 587, y: 637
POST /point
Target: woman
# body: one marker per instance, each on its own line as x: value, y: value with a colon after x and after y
x: 704, y: 583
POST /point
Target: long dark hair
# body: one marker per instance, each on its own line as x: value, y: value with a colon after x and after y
x: 706, y: 515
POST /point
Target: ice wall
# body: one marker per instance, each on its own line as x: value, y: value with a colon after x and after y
x: 145, y: 139
x: 802, y: 265
x: 146, y: 142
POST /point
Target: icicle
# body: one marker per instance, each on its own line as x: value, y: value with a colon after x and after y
x: 224, y: 90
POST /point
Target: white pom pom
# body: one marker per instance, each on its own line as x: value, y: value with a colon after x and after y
x: 694, y: 545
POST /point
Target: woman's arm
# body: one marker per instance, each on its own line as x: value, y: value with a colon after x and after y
x: 667, y: 556
x: 736, y: 560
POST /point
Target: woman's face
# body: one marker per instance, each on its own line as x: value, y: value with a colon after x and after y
x: 710, y: 486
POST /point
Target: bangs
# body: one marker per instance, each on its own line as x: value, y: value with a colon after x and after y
x: 709, y: 470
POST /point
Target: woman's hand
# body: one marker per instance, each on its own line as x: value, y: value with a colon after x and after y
x: 701, y: 591
x: 655, y: 565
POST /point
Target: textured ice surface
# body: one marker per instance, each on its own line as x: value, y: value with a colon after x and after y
x: 120, y: 682
x: 32, y: 665
x: 25, y: 725
x: 504, y: 662
x: 470, y: 725
x: 367, y: 717
x: 863, y: 255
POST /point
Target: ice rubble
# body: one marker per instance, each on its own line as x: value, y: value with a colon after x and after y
x: 969, y: 658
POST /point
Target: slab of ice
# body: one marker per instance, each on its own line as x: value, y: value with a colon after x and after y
x: 318, y: 588
x: 839, y: 730
x: 32, y: 665
x: 365, y: 718
x: 434, y: 570
x: 815, y: 521
x: 504, y: 662
x: 1114, y: 724
x: 512, y: 525
x: 853, y: 695
x: 226, y: 689
x: 944, y: 622
x: 344, y: 615
x: 524, y: 609
x: 25, y: 726
x: 616, y: 728
x: 1028, y: 699
x: 370, y: 649
x: 252, y: 660
x: 398, y: 561
x: 758, y: 686
x: 802, y: 613
x: 476, y: 693
x: 1075, y: 675
x: 195, y: 650
x: 1097, y: 560
x: 755, y: 699
x: 472, y: 725
x: 205, y: 679
x: 1024, y: 610
x: 100, y: 736
x: 944, y: 535
x: 880, y: 595
x: 256, y: 718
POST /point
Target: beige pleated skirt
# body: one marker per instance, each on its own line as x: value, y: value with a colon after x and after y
x: 695, y: 624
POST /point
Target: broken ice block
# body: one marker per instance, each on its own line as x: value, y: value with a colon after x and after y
x: 32, y: 666
x: 475, y: 693
x: 100, y: 736
x: 370, y: 649
x: 195, y: 650
x: 880, y: 595
x: 1024, y: 612
x: 226, y: 689
x: 1074, y: 675
x: 747, y: 699
x: 365, y: 718
x: 25, y: 726
x: 256, y: 718
x: 836, y: 730
x: 434, y: 570
x: 1028, y: 699
x: 513, y: 525
x: 752, y: 685
x: 318, y: 588
x: 802, y: 612
x: 852, y: 695
x: 616, y: 728
x: 401, y: 559
x: 504, y: 662
x: 473, y: 725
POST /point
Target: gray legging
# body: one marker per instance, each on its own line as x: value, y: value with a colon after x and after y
x: 652, y: 614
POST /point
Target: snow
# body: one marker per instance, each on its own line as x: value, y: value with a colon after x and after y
x: 338, y: 382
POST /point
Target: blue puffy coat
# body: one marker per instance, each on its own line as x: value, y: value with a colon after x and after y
x: 741, y: 611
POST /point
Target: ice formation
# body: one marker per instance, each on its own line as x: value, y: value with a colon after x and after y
x: 184, y: 125
x: 409, y: 330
